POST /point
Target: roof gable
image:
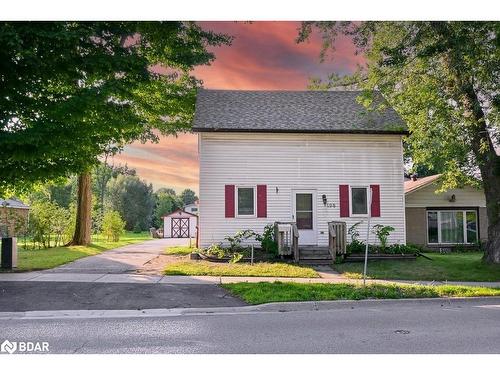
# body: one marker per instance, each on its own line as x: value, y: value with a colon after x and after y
x: 412, y: 186
x: 291, y: 111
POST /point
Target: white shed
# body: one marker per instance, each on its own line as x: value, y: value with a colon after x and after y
x: 180, y: 224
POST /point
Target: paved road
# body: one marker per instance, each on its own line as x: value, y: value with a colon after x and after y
x: 123, y: 259
x: 351, y: 327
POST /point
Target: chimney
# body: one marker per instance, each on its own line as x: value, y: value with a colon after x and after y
x: 414, y: 177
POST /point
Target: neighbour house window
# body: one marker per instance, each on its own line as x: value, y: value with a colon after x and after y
x: 452, y: 227
x: 245, y: 198
x: 359, y: 200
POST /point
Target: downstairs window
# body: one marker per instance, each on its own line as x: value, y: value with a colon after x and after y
x: 452, y: 227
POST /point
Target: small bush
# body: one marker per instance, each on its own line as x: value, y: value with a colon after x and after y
x: 113, y: 226
x: 267, y: 240
x: 382, y: 232
x: 137, y: 228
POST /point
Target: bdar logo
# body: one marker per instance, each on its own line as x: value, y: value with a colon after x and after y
x: 8, y: 347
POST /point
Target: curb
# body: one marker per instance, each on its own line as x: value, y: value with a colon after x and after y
x: 275, y: 307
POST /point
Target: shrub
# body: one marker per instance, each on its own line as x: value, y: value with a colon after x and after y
x: 113, y: 226
x: 382, y: 232
x: 236, y: 240
x: 137, y: 228
x: 402, y: 249
x: 267, y: 240
x: 215, y: 250
x: 48, y: 223
x: 355, y: 247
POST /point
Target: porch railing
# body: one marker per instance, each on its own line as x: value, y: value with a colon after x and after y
x: 286, y: 235
x: 337, y: 238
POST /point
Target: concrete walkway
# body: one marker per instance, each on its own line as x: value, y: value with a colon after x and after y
x: 121, y: 260
x: 213, y: 280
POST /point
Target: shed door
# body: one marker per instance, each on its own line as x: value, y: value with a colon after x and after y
x: 180, y: 227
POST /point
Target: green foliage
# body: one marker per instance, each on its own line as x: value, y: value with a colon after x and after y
x: 267, y: 240
x: 353, y: 231
x: 133, y: 199
x: 382, y: 232
x: 166, y: 203
x: 215, y: 250
x: 71, y: 89
x: 442, y: 78
x: 236, y: 240
x: 188, y: 196
x: 113, y: 226
x: 355, y: 247
x: 48, y: 224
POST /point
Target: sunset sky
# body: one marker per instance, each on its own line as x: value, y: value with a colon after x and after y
x: 263, y: 56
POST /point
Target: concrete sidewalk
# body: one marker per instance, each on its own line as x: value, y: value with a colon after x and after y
x: 158, y: 279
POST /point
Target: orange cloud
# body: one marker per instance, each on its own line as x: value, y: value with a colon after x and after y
x: 263, y: 56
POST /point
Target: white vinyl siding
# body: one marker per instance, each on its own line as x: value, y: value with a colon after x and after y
x: 427, y: 197
x: 291, y: 162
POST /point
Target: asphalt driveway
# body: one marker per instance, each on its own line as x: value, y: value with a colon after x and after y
x: 123, y: 259
x: 72, y: 292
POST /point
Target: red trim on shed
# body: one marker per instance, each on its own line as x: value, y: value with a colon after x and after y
x: 229, y: 200
x: 261, y: 200
x: 375, y: 208
x: 344, y: 200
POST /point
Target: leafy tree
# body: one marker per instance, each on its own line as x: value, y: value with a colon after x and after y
x: 166, y: 190
x: 188, y: 196
x: 101, y: 175
x: 133, y: 199
x: 113, y: 226
x: 71, y: 90
x: 165, y: 203
x: 443, y: 79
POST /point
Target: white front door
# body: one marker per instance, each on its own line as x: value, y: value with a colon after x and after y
x: 304, y: 214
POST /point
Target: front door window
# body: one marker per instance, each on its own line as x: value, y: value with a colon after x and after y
x: 304, y: 210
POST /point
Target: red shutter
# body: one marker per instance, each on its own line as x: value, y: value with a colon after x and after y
x: 375, y: 209
x: 261, y: 200
x: 229, y: 192
x: 344, y: 200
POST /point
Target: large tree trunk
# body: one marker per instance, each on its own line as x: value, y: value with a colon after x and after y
x: 84, y: 211
x: 489, y: 166
x: 482, y: 146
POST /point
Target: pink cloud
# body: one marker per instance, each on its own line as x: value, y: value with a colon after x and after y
x: 263, y: 56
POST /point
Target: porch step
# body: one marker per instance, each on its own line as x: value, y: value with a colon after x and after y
x: 314, y: 256
x: 314, y: 252
x: 315, y: 261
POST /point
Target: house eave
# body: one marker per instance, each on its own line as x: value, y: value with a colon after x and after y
x: 295, y: 131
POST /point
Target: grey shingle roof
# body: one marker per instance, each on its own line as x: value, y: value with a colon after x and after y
x: 291, y: 111
x: 12, y: 203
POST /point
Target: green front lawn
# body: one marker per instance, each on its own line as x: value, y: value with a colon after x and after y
x: 443, y: 267
x: 263, y: 292
x: 205, y: 268
x: 180, y: 250
x: 41, y: 259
